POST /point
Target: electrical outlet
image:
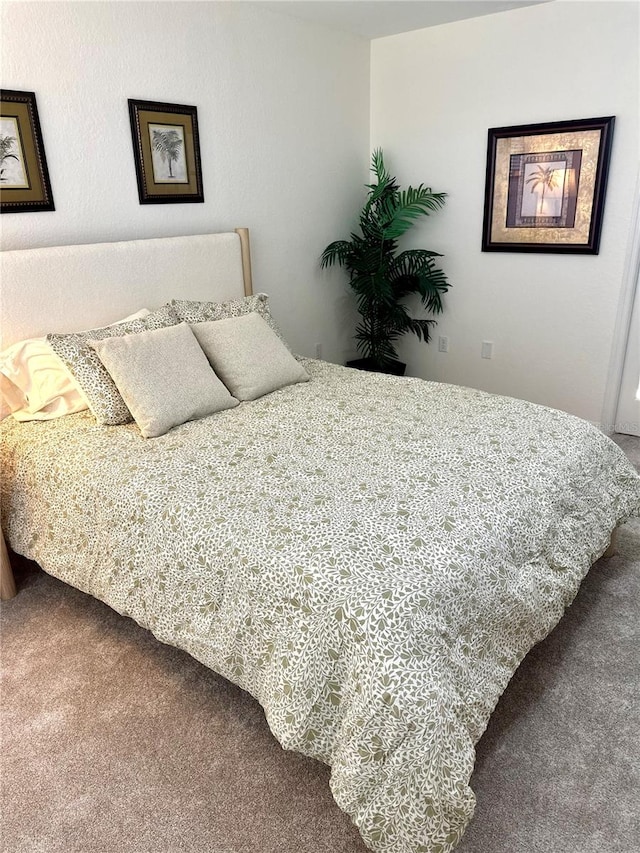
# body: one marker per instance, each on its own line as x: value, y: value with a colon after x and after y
x: 487, y: 349
x: 319, y: 350
x: 443, y: 343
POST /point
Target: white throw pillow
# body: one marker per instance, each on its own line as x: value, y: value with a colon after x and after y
x: 36, y: 385
x: 163, y: 377
x: 248, y: 356
x: 32, y: 378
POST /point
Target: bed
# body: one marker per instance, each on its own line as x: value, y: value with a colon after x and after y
x: 370, y: 557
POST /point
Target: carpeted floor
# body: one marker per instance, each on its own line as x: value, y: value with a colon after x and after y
x: 114, y: 743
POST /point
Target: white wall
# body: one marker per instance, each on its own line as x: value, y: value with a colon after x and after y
x: 434, y: 94
x: 283, y: 113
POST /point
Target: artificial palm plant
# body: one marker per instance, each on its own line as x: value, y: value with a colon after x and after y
x: 380, y: 277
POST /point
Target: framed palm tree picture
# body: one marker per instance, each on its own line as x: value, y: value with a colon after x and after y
x: 24, y: 176
x: 166, y: 149
x: 545, y: 186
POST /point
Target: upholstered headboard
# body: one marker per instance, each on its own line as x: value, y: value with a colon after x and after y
x: 69, y: 288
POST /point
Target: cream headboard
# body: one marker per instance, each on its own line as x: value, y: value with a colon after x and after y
x: 69, y: 288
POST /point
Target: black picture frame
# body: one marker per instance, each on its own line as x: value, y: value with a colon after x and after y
x: 25, y: 186
x: 166, y: 151
x: 566, y: 161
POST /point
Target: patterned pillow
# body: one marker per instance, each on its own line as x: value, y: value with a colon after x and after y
x: 202, y: 312
x: 98, y: 387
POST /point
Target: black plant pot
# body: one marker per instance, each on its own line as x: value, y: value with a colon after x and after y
x: 396, y: 368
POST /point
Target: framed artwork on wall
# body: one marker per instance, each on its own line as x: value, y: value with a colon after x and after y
x: 545, y: 186
x: 166, y: 150
x: 24, y: 176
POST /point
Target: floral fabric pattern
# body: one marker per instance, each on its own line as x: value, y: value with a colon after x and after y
x: 371, y: 557
x: 189, y: 311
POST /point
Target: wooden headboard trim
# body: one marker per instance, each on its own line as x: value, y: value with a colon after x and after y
x: 245, y: 248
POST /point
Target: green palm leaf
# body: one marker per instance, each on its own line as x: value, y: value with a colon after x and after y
x: 378, y: 167
x: 414, y: 271
x: 412, y: 262
x: 336, y: 253
x: 420, y: 328
x: 405, y: 207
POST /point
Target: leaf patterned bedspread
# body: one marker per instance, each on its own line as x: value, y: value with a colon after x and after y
x: 371, y: 557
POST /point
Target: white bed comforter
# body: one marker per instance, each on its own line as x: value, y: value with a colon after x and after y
x: 371, y: 557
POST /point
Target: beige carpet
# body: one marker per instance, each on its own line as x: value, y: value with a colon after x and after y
x: 114, y: 743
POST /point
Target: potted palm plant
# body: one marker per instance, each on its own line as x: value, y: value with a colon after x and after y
x: 382, y: 278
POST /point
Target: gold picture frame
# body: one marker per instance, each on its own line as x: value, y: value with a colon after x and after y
x: 166, y: 148
x: 24, y: 177
x: 545, y: 186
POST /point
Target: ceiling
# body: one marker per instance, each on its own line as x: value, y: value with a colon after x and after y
x: 376, y: 18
